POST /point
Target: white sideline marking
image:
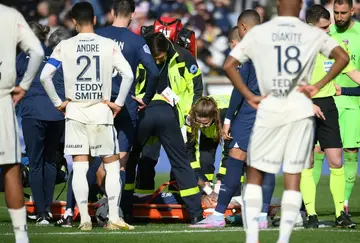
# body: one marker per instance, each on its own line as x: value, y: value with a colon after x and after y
x: 170, y: 232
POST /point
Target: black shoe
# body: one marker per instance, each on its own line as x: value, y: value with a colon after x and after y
x: 49, y: 217
x: 195, y: 220
x: 344, y: 221
x: 64, y: 222
x: 313, y: 222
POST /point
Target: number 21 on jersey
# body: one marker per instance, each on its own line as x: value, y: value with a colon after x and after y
x: 86, y: 62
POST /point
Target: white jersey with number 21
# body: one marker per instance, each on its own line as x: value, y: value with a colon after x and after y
x: 88, y: 61
x: 283, y: 52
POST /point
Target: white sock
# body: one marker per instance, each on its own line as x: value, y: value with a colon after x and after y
x: 18, y: 219
x: 113, y: 189
x: 81, y: 189
x: 346, y: 203
x: 290, y: 207
x: 251, y: 208
x: 68, y: 213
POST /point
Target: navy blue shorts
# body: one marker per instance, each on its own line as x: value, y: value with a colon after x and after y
x: 125, y: 125
x: 240, y: 131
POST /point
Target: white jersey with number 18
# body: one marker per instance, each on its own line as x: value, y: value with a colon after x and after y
x: 283, y: 52
x: 88, y: 61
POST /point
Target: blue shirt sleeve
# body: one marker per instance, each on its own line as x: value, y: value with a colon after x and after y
x: 351, y: 91
x: 236, y: 98
x: 152, y: 72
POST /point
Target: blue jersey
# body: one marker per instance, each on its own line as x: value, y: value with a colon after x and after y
x: 135, y: 51
x: 238, y: 105
x: 36, y: 103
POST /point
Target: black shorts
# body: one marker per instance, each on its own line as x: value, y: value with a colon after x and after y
x: 327, y: 131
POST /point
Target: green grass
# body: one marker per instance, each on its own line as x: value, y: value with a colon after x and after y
x: 181, y: 233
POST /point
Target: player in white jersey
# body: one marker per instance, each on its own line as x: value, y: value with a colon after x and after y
x: 88, y: 61
x: 15, y: 31
x: 283, y: 52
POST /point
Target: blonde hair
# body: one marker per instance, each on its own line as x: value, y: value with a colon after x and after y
x: 205, y: 107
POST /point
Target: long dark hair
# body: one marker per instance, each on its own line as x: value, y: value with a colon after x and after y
x: 40, y: 31
x: 205, y: 107
x: 157, y: 43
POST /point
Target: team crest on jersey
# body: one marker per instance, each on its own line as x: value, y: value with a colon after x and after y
x: 147, y: 49
x: 346, y: 42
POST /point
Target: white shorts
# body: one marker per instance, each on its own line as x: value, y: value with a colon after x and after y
x: 96, y: 140
x: 10, y: 151
x: 290, y: 145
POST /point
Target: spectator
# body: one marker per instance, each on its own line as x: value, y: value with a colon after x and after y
x: 262, y: 13
x: 43, y: 12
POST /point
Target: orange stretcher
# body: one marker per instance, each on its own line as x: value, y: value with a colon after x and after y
x: 151, y: 211
x: 147, y: 210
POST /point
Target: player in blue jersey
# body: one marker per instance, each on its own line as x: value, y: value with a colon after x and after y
x: 42, y: 125
x: 135, y: 51
x: 240, y: 117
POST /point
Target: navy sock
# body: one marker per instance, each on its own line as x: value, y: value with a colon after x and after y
x: 268, y: 187
x: 122, y: 179
x: 230, y: 183
x: 70, y: 199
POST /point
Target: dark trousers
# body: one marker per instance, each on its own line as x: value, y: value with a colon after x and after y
x: 145, y: 182
x: 42, y: 139
x: 160, y: 120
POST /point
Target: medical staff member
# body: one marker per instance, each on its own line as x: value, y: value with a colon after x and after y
x: 162, y: 118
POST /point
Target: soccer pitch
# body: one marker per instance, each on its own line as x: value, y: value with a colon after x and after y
x: 181, y: 233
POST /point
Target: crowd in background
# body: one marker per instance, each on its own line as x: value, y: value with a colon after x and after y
x: 210, y: 19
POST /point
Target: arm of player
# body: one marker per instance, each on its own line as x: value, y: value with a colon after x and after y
x: 236, y: 98
x: 124, y: 69
x: 235, y: 101
x: 241, y: 54
x: 229, y: 67
x: 354, y: 75
x: 46, y: 76
x: 30, y: 44
x: 152, y: 73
